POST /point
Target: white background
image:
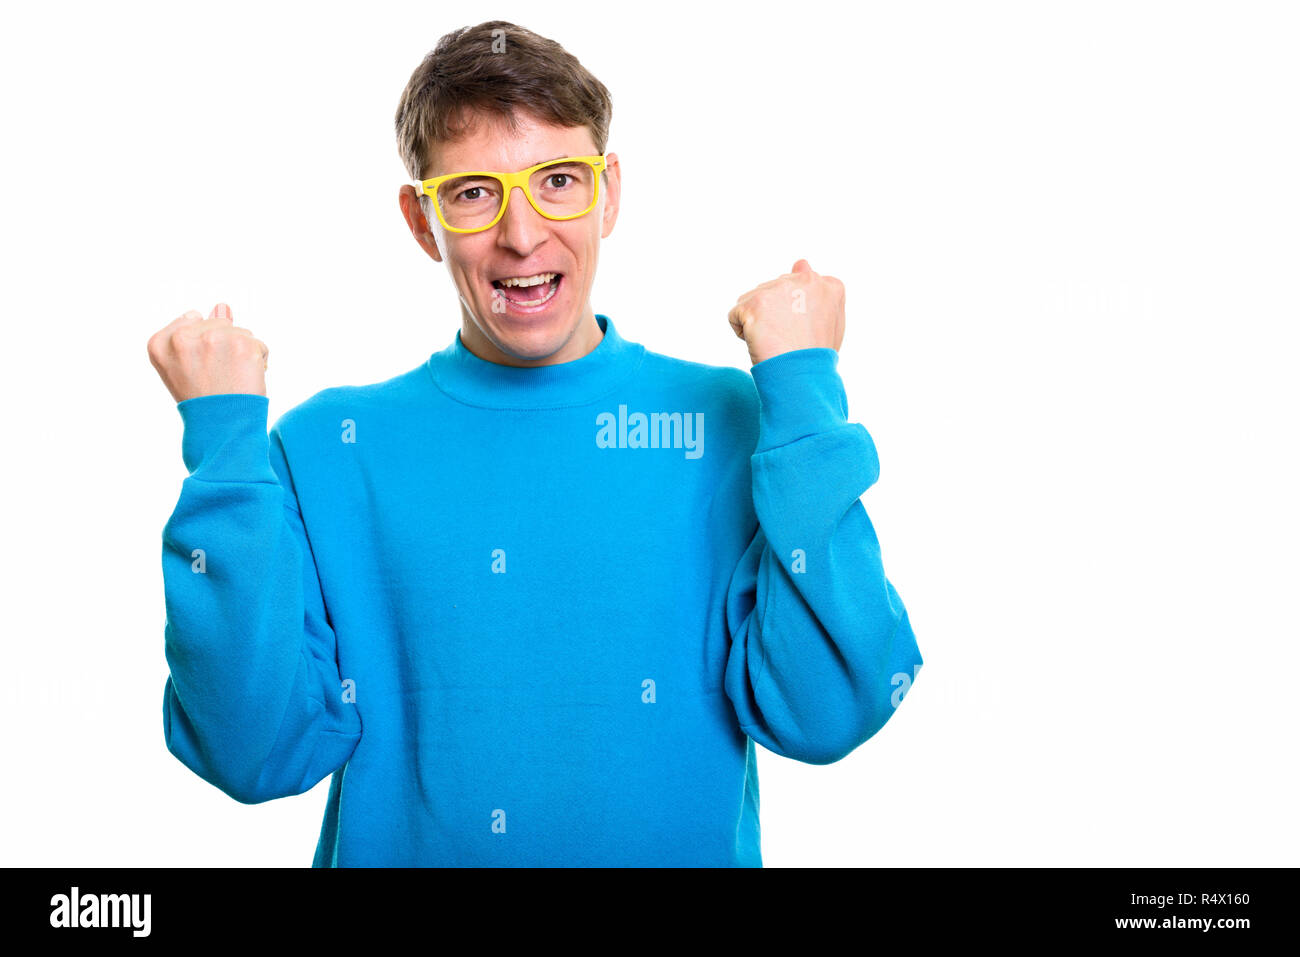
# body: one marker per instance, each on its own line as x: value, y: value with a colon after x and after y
x: 1068, y: 233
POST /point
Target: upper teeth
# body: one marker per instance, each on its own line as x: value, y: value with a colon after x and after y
x: 529, y: 280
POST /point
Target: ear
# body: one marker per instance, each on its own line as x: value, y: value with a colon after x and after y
x: 413, y: 213
x: 610, y: 192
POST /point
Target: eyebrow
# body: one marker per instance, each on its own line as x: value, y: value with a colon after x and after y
x: 529, y: 166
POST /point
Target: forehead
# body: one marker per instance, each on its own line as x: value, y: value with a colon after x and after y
x: 488, y: 143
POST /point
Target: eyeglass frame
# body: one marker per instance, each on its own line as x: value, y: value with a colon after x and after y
x: 508, y: 181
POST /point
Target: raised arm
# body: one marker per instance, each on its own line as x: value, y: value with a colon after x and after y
x: 822, y: 650
x: 254, y: 703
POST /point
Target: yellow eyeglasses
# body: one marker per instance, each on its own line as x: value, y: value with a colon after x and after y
x: 474, y: 201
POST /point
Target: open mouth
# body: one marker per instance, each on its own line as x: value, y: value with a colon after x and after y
x: 533, y: 296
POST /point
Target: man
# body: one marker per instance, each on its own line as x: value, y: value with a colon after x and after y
x: 534, y: 601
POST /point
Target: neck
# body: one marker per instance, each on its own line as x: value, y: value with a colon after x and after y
x: 477, y: 381
x: 536, y: 349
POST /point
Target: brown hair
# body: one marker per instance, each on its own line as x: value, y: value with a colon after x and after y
x: 495, y: 69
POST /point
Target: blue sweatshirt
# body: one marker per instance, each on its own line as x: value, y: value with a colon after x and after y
x: 530, y: 616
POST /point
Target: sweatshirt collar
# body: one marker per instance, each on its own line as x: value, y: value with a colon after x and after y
x: 476, y: 381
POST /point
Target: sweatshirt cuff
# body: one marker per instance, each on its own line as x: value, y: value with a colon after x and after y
x: 225, y: 437
x: 799, y: 394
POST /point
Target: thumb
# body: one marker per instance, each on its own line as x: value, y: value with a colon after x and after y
x: 804, y: 263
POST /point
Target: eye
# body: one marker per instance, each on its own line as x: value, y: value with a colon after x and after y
x: 555, y: 176
x: 466, y: 190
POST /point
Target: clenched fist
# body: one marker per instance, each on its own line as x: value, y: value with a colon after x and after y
x: 800, y: 310
x: 197, y: 356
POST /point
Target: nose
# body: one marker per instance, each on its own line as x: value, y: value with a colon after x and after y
x: 521, y: 226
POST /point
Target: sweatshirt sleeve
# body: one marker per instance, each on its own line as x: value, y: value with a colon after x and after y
x: 821, y: 649
x: 253, y: 703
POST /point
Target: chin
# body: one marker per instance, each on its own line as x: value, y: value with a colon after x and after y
x: 533, y: 337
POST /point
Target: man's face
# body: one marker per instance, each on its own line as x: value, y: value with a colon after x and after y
x: 523, y: 243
